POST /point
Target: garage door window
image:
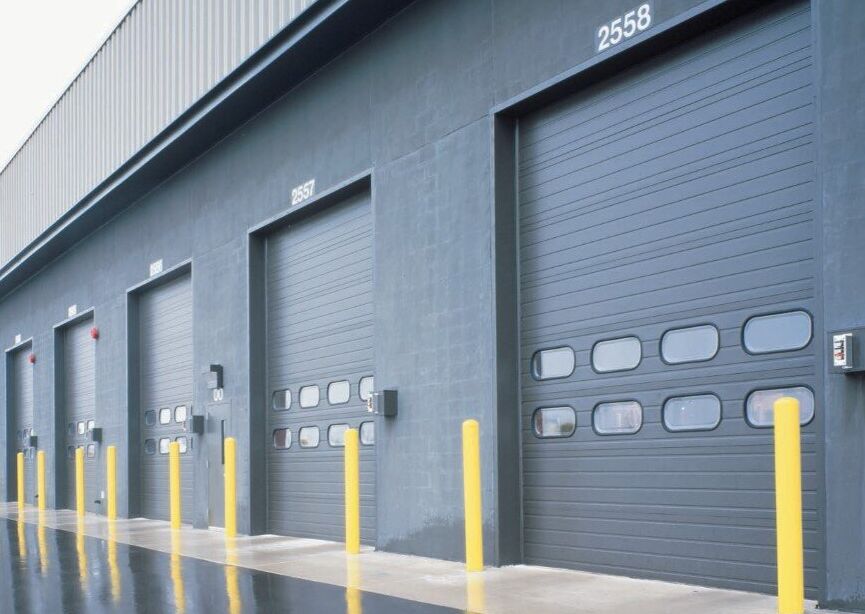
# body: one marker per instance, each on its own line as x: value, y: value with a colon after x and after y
x: 163, y: 445
x: 701, y: 412
x: 91, y: 424
x: 617, y: 354
x: 365, y: 387
x: 760, y: 405
x: 367, y: 433
x: 82, y: 428
x: 181, y: 444
x: 554, y: 422
x: 309, y: 437
x: 692, y: 344
x: 91, y: 450
x: 338, y: 393
x: 70, y: 428
x: 309, y: 396
x: 281, y: 400
x: 336, y: 435
x: 70, y: 452
x: 618, y: 418
x: 553, y: 363
x: 150, y: 446
x: 180, y: 414
x: 777, y: 332
x: 282, y: 439
x: 165, y: 415
x: 150, y: 417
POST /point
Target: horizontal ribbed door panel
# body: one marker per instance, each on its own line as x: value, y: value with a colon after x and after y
x: 678, y: 193
x: 320, y: 330
x: 22, y: 408
x: 166, y: 372
x: 79, y: 397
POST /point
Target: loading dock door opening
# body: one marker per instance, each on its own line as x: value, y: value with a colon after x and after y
x: 320, y: 368
x: 79, y: 398
x: 659, y: 211
x: 22, y: 422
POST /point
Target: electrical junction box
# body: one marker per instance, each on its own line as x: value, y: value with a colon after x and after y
x: 383, y: 403
x: 847, y: 351
x: 195, y: 425
x: 95, y: 434
x: 213, y: 376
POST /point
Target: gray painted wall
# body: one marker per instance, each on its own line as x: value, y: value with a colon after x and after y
x: 412, y: 101
x: 840, y: 86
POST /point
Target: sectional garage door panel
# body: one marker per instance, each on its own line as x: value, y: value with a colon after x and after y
x: 22, y: 408
x: 678, y: 194
x: 320, y: 332
x: 166, y: 372
x: 79, y: 398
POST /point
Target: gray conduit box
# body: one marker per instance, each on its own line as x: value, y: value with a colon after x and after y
x: 384, y: 403
x: 847, y: 351
x: 95, y: 434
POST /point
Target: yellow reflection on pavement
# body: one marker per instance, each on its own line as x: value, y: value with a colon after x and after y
x: 22, y: 540
x: 232, y: 585
x: 177, y: 573
x: 82, y: 552
x: 113, y: 569
x: 475, y: 592
x: 43, y: 545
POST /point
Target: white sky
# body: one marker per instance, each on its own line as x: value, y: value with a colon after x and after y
x: 44, y: 44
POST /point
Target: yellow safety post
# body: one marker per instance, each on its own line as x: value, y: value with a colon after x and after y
x: 230, y: 487
x: 174, y: 482
x: 352, y: 492
x: 79, y: 481
x: 40, y: 479
x: 20, y: 480
x: 111, y: 479
x: 472, y: 495
x: 788, y: 507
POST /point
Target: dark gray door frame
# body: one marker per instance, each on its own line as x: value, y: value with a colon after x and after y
x: 11, y: 463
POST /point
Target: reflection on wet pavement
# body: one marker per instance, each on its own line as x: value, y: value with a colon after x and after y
x: 52, y: 571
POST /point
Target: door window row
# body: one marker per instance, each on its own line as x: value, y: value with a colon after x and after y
x: 338, y: 393
x: 166, y: 415
x: 699, y: 412
x: 164, y: 443
x: 762, y: 334
x: 23, y: 434
x: 81, y: 428
x: 310, y: 436
x: 89, y: 451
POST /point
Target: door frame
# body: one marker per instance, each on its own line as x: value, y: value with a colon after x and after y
x: 11, y: 463
x: 257, y: 327
x: 59, y: 332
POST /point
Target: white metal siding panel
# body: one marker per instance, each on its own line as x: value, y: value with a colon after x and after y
x: 151, y: 69
x: 678, y: 193
x: 320, y: 330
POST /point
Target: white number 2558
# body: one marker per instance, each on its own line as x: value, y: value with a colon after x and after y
x: 624, y: 27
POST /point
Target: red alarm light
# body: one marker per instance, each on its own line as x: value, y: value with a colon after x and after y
x: 32, y: 359
x: 94, y: 333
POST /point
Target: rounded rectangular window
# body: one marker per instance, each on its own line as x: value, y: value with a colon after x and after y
x: 281, y: 400
x: 282, y: 439
x: 82, y: 428
x: 367, y: 433
x: 91, y: 424
x: 553, y: 363
x: 150, y: 417
x: 617, y: 418
x: 700, y: 412
x: 70, y: 429
x: 777, y: 332
x: 336, y: 435
x: 309, y: 396
x: 620, y: 354
x: 308, y: 437
x: 150, y: 446
x: 693, y: 344
x: 181, y: 444
x: 338, y: 393
x: 365, y: 387
x: 70, y: 452
x: 164, y: 443
x: 165, y: 415
x: 554, y: 421
x: 91, y: 450
x: 180, y: 413
x: 760, y: 405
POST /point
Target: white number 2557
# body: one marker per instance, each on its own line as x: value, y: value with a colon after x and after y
x: 624, y: 27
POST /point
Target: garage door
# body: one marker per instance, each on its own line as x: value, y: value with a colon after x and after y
x: 79, y: 399
x: 22, y: 410
x: 667, y: 225
x: 166, y: 367
x: 320, y: 367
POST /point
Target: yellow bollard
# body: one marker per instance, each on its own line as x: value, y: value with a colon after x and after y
x: 174, y: 483
x: 788, y: 507
x: 40, y: 479
x: 20, y: 480
x: 79, y: 481
x: 352, y: 492
x: 111, y: 478
x: 472, y: 496
x: 230, y: 487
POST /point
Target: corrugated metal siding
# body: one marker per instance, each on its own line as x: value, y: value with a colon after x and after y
x: 160, y: 59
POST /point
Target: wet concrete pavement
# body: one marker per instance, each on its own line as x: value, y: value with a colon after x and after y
x: 51, y: 571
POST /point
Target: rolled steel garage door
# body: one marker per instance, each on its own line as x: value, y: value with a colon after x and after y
x: 166, y: 367
x: 22, y: 410
x: 79, y: 398
x: 660, y: 212
x: 320, y: 367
